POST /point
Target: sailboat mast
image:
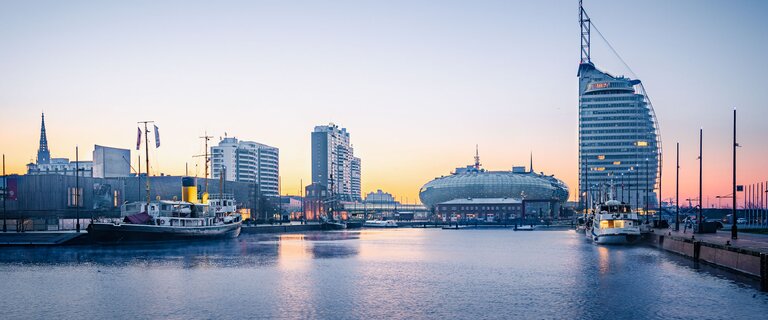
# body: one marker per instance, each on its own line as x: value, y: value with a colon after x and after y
x: 146, y: 155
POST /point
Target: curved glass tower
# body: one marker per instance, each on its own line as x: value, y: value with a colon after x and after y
x: 618, y: 144
x: 618, y: 134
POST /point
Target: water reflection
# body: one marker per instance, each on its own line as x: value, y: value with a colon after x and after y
x: 248, y: 250
x: 376, y: 274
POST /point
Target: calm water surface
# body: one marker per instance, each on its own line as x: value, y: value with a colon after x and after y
x: 376, y: 274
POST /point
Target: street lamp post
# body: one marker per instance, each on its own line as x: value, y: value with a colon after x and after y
x: 5, y: 197
x: 734, y: 231
x: 677, y: 189
x: 637, y: 187
x: 646, y: 191
x: 701, y: 171
x: 622, y: 187
x: 77, y: 187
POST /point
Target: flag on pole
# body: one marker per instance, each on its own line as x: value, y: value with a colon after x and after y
x: 138, y: 139
x: 157, y: 137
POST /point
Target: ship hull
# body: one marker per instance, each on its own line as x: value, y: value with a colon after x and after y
x: 119, y: 233
x: 615, y: 238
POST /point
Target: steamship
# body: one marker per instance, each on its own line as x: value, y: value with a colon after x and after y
x: 163, y: 220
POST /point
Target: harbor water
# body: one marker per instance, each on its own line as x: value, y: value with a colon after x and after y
x: 371, y: 274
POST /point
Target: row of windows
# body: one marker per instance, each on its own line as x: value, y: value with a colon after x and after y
x: 487, y: 208
x: 615, y: 118
x: 633, y: 137
x: 642, y: 111
x: 630, y: 130
x: 612, y: 144
x: 621, y: 157
x: 622, y: 98
x: 618, y: 124
x: 640, y: 150
x: 608, y: 92
x: 587, y: 106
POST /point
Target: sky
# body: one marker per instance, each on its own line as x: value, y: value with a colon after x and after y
x: 417, y: 83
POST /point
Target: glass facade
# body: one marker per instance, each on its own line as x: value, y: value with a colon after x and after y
x: 493, y: 184
x: 618, y: 140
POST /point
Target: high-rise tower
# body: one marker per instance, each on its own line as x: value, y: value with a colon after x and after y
x: 333, y: 162
x: 618, y: 134
x: 247, y: 161
x: 43, y: 154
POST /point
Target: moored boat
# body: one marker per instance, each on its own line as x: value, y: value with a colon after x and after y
x: 613, y: 222
x: 168, y: 220
x: 380, y: 224
x: 191, y: 218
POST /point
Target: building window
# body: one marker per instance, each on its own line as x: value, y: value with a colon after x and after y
x: 116, y: 199
x: 75, y: 197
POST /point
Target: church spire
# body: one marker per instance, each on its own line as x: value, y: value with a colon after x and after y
x: 43, y: 154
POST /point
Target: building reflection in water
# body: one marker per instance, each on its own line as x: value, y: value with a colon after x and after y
x: 604, y: 262
x: 387, y: 245
x: 293, y: 252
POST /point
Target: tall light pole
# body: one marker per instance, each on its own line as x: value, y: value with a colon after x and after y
x: 5, y: 192
x: 677, y: 189
x: 77, y: 187
x: 734, y: 231
x: 647, y: 169
x: 700, y: 218
x: 622, y: 187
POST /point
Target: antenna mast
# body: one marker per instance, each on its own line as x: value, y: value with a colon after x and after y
x: 477, y: 157
x: 585, y: 34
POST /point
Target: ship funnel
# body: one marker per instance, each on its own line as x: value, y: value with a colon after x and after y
x: 189, y: 190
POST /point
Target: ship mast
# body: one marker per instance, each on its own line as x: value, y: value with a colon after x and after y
x: 146, y: 158
x: 205, y: 138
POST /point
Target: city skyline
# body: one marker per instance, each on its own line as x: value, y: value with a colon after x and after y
x: 418, y: 99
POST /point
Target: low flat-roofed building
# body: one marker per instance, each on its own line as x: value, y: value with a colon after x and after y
x: 486, y: 209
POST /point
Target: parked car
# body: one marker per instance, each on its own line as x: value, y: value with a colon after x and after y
x: 716, y: 221
x: 741, y: 220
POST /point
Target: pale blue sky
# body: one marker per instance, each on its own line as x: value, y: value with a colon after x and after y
x: 417, y: 83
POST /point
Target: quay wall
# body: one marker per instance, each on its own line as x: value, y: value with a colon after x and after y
x: 749, y: 262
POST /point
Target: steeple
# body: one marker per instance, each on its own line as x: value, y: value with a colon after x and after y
x: 43, y: 154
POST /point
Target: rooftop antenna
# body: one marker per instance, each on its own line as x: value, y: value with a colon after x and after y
x: 477, y: 157
x: 585, y: 34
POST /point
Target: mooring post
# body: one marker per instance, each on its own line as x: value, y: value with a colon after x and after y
x: 696, y: 250
x: 764, y: 272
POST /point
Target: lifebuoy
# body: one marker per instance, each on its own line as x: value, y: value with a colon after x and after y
x: 161, y: 222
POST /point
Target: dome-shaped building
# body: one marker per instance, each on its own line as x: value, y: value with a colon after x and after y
x: 473, y: 192
x: 479, y: 184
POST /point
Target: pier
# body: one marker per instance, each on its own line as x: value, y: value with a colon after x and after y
x: 747, y: 255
